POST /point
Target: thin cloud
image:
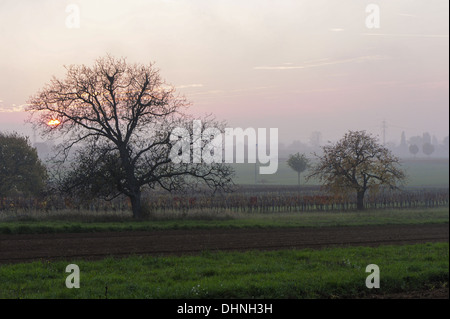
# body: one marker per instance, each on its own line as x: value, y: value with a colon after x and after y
x: 185, y: 86
x: 12, y: 108
x: 336, y: 29
x: 325, y: 62
x: 434, y: 85
x: 316, y: 90
x: 235, y: 92
x: 215, y: 92
x: 408, y: 35
x: 211, y: 92
x: 316, y: 61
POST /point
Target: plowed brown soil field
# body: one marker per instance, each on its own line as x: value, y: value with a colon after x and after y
x: 23, y: 248
x: 20, y: 248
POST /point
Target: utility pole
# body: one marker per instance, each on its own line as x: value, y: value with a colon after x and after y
x: 34, y: 137
x: 384, y: 132
x: 256, y: 165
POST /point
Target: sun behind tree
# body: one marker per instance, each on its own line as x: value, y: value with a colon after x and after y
x: 120, y: 117
x: 357, y: 163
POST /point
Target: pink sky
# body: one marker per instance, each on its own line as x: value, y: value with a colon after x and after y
x: 300, y: 66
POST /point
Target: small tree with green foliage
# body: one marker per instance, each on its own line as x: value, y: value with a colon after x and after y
x: 428, y: 149
x: 21, y: 171
x: 299, y: 163
x: 413, y: 149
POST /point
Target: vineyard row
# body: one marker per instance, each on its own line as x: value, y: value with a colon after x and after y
x: 241, y: 202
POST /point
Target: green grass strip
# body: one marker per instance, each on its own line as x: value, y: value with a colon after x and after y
x: 327, y: 273
x: 255, y: 220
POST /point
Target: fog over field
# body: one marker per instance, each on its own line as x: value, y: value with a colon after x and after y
x: 312, y: 69
x: 224, y: 151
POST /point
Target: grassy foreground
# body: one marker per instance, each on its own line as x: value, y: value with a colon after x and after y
x: 327, y: 273
x: 66, y: 222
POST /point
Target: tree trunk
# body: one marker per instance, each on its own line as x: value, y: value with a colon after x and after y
x: 360, y: 200
x: 136, y: 204
x: 298, y: 179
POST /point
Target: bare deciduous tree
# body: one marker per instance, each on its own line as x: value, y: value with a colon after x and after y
x: 357, y: 163
x: 115, y: 120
